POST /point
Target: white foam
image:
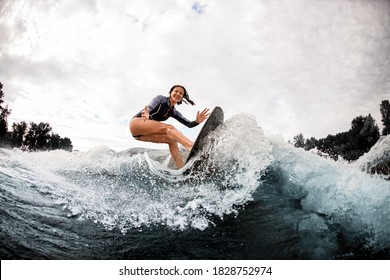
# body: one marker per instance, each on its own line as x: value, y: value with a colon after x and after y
x: 133, y: 191
x: 347, y: 196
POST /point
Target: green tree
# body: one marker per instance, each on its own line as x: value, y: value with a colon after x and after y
x: 66, y: 144
x: 299, y: 141
x: 38, y: 136
x: 4, y: 113
x: 54, y: 141
x: 385, y: 111
x: 364, y: 133
x: 17, y: 134
x: 369, y: 133
x: 1, y: 95
x: 310, y: 143
x: 326, y: 145
x: 350, y: 145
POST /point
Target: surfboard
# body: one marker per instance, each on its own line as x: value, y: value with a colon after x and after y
x: 213, y: 121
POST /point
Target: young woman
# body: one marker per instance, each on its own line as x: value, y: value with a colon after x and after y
x: 147, y: 126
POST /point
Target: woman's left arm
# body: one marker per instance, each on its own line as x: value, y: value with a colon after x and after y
x: 200, y: 117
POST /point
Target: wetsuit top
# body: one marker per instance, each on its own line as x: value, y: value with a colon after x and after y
x: 160, y: 110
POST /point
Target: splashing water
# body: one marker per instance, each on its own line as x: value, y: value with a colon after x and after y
x: 329, y: 209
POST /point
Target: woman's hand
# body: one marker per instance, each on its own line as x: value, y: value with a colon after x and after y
x: 145, y: 113
x: 200, y: 117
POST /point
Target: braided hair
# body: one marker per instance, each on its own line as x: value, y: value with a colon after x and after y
x: 186, y: 97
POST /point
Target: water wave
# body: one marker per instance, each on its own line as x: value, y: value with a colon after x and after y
x: 316, y: 207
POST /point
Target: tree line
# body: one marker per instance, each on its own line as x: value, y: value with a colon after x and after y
x: 32, y: 136
x: 351, y: 144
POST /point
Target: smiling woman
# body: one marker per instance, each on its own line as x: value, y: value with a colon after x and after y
x: 147, y: 126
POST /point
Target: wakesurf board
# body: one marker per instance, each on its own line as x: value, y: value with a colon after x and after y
x: 213, y: 121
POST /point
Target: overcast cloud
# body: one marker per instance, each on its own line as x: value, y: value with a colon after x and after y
x: 87, y: 67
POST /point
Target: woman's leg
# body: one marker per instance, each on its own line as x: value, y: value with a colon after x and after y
x: 173, y: 147
x: 138, y: 126
x: 156, y: 132
x: 176, y: 155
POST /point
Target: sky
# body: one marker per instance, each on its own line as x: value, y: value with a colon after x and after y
x: 298, y: 66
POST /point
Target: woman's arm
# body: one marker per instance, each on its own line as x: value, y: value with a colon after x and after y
x: 152, y: 105
x: 145, y: 113
x: 180, y: 118
x: 200, y: 117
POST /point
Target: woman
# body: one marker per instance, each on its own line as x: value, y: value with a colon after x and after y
x: 147, y: 126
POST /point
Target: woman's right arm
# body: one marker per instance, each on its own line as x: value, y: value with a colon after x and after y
x: 152, y: 105
x: 145, y: 113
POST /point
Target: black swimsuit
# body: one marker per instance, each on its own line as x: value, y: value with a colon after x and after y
x: 160, y: 110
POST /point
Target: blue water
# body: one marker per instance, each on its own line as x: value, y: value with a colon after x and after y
x: 255, y: 197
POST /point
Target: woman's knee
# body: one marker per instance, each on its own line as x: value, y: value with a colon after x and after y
x: 133, y: 126
x: 169, y: 129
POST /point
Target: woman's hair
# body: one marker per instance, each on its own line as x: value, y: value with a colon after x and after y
x: 186, y: 97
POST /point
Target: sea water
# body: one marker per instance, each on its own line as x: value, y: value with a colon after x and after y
x: 252, y: 197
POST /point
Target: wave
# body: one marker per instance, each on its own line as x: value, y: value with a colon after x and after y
x: 243, y: 174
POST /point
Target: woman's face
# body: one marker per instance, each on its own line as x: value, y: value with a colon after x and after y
x: 177, y: 94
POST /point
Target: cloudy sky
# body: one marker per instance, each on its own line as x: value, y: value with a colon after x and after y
x: 87, y: 66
